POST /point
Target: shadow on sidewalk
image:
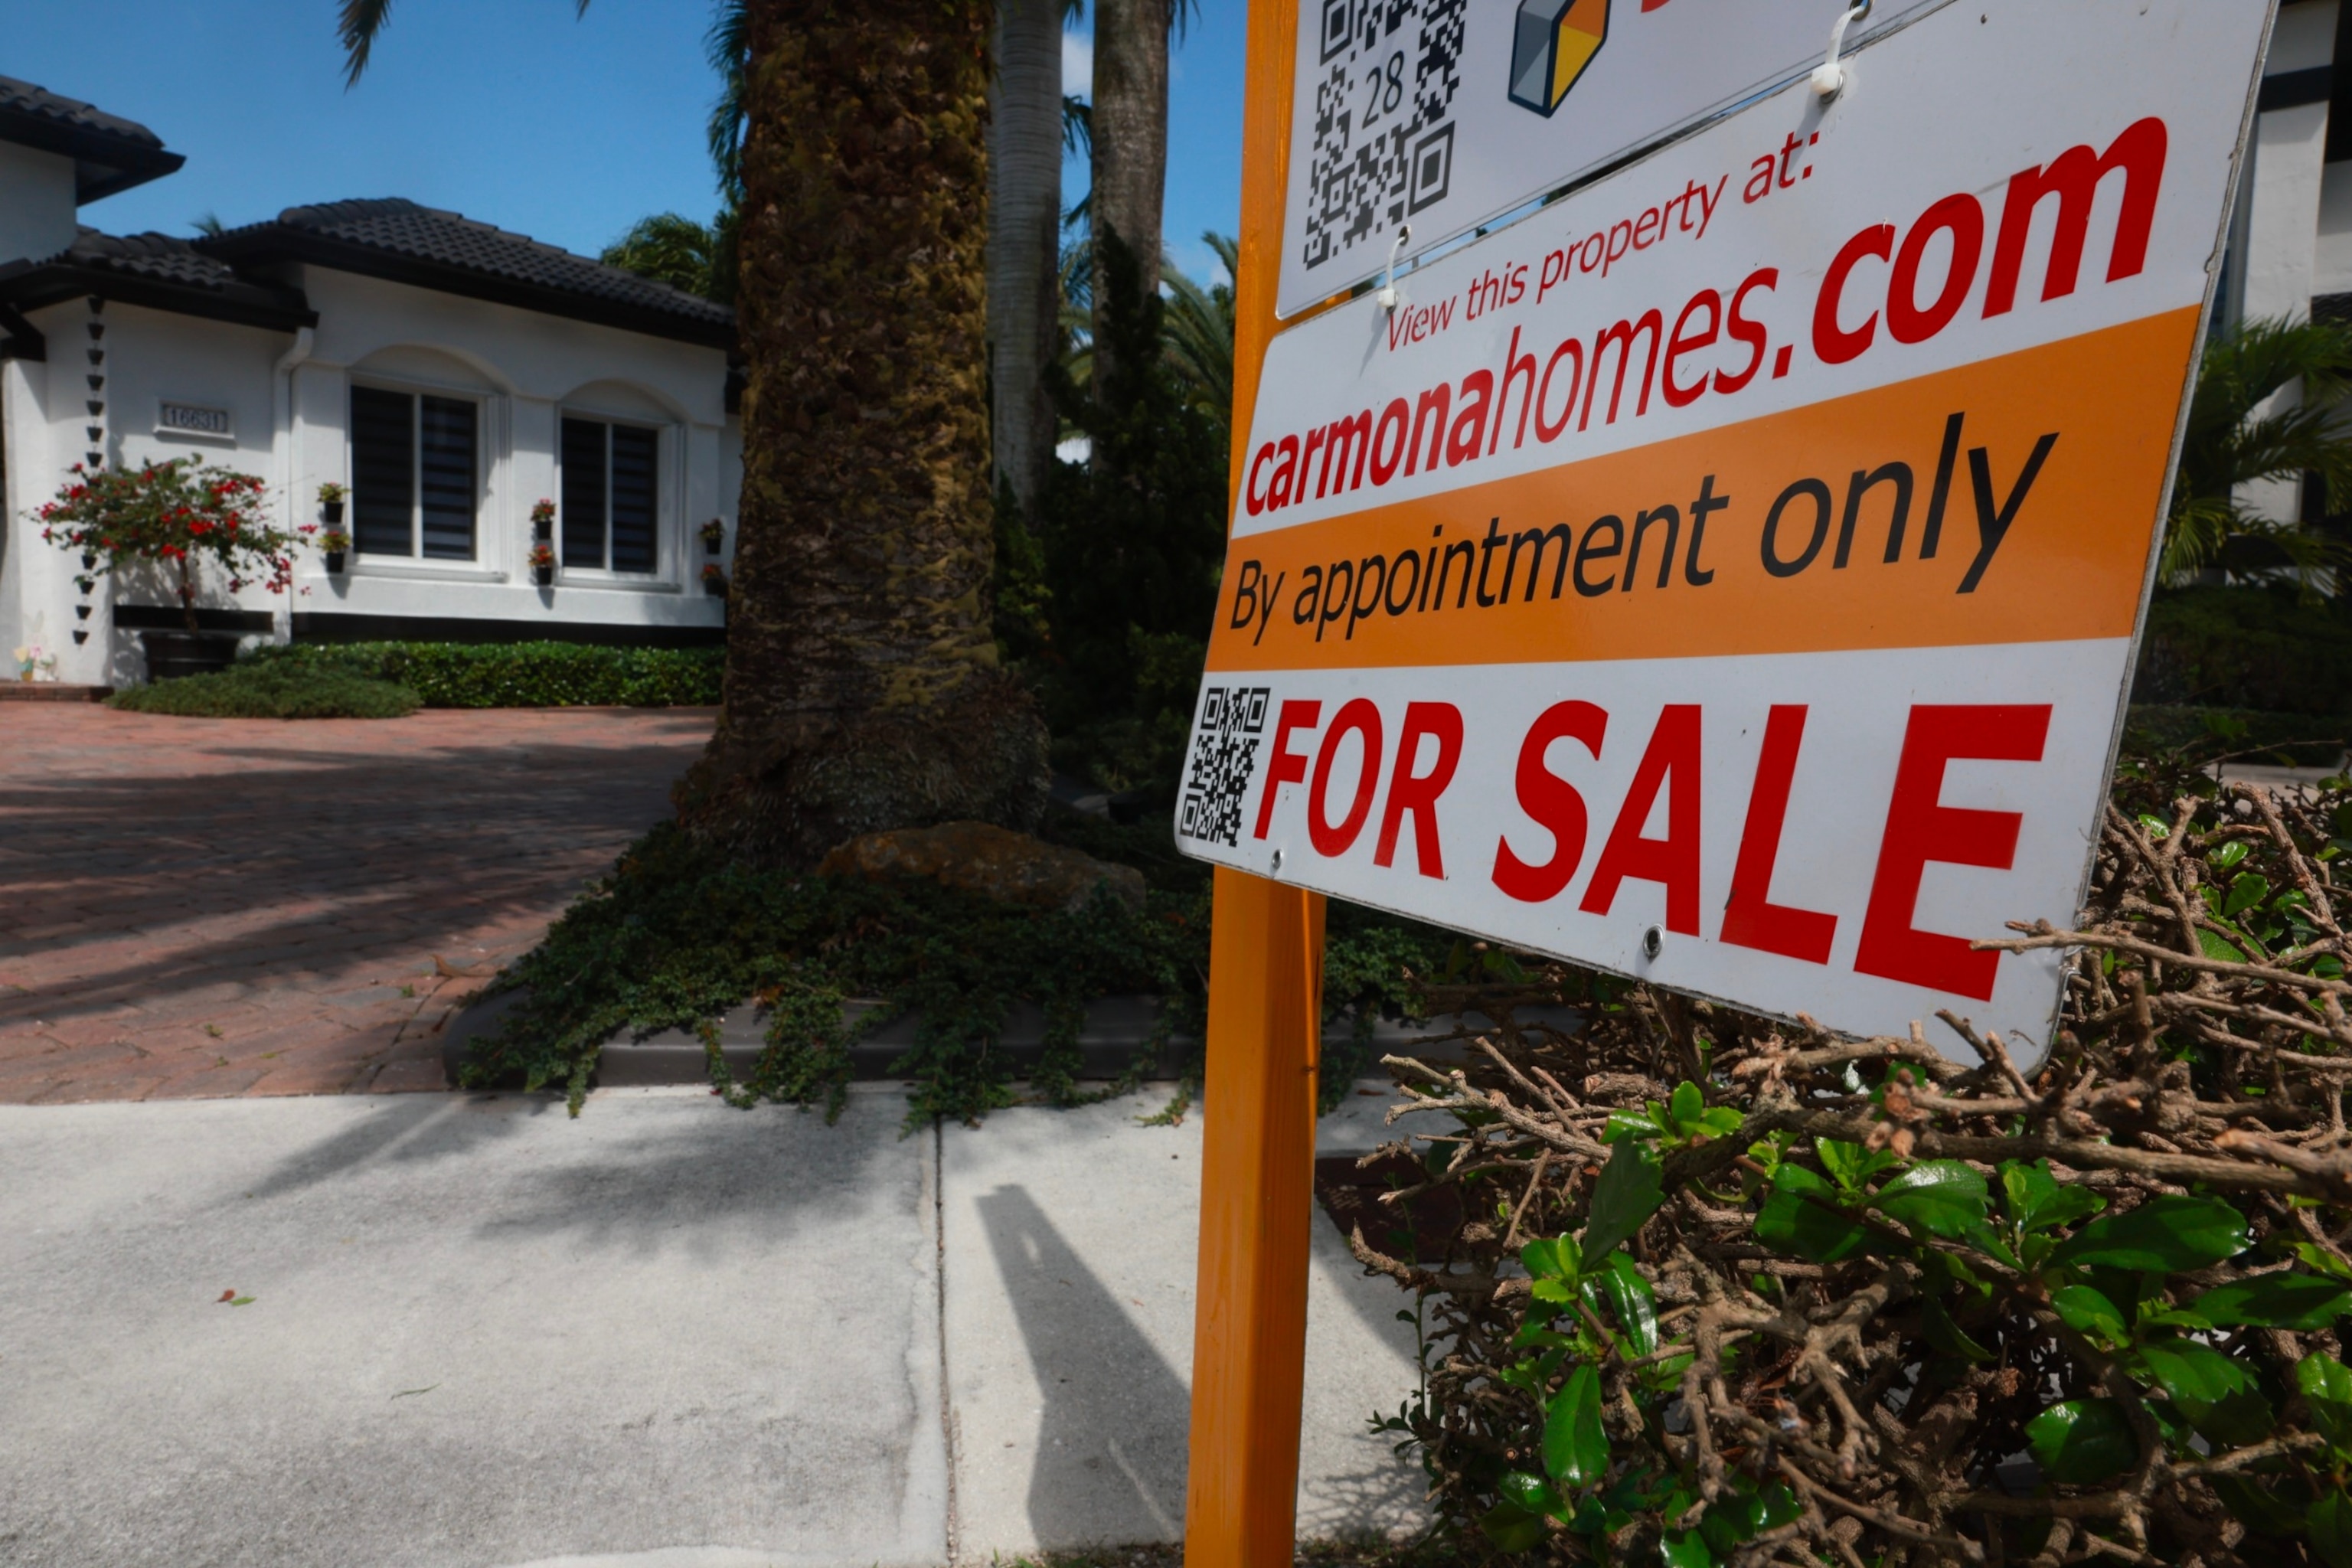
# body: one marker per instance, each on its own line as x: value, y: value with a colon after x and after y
x: 1111, y: 1439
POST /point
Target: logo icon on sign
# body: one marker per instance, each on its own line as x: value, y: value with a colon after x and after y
x: 1552, y: 43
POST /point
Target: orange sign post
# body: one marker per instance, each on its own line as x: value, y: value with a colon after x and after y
x: 1266, y: 970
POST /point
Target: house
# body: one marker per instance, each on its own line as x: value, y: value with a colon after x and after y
x: 449, y: 373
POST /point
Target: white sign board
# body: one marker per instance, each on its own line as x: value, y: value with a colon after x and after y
x: 1748, y: 612
x: 196, y: 420
x: 1446, y: 113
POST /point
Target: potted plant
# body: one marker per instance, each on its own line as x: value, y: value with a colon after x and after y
x: 334, y: 543
x: 170, y: 518
x: 714, y: 534
x: 32, y: 664
x: 330, y: 504
x: 714, y: 580
x: 542, y: 563
x: 542, y: 518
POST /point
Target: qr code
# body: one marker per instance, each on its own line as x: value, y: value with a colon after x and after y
x: 1224, y: 756
x: 1383, y: 118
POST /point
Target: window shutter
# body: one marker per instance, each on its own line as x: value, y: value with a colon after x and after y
x: 383, y: 499
x: 447, y: 467
x: 583, y: 493
x: 633, y: 499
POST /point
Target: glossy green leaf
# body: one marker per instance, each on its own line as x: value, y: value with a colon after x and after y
x: 2326, y: 1385
x: 2322, y: 1261
x: 1851, y: 1165
x: 2246, y: 890
x: 2088, y: 1312
x: 2037, y: 1201
x: 1635, y: 1303
x: 1625, y: 1124
x: 2228, y: 854
x: 2329, y: 1524
x: 2082, y: 1441
x: 2288, y: 1301
x: 1557, y: 1258
x: 1627, y: 1193
x: 1687, y: 1104
x: 2168, y: 1234
x: 1575, y: 1448
x: 1685, y: 1549
x: 2217, y: 947
x: 2213, y: 1392
x: 1530, y: 1492
x: 1512, y: 1528
x: 1941, y: 1197
x: 1794, y: 1219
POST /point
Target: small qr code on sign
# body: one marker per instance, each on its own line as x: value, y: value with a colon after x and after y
x: 1383, y: 118
x: 1224, y: 756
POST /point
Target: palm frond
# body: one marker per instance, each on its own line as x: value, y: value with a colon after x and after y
x: 668, y: 248
x: 357, y: 23
x: 728, y: 47
x: 2269, y: 405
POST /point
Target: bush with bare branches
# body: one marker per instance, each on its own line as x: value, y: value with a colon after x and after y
x: 1727, y: 1291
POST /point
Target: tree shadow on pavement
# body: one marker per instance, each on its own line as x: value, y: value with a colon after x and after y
x: 1112, y: 1436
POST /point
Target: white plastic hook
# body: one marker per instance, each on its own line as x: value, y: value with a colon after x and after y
x: 1830, y: 76
x: 1388, y: 296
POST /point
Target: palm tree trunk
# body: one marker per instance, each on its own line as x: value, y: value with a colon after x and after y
x: 1129, y: 170
x: 862, y: 690
x: 1024, y: 219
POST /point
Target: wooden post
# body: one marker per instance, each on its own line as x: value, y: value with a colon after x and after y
x: 1266, y: 973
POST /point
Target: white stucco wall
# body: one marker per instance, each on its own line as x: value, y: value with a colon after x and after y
x: 289, y: 398
x: 36, y: 205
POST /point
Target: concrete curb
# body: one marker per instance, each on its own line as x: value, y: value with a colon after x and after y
x: 1115, y: 1030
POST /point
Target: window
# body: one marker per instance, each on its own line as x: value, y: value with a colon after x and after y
x: 413, y: 474
x: 608, y: 495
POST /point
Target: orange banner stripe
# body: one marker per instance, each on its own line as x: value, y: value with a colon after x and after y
x: 1360, y: 591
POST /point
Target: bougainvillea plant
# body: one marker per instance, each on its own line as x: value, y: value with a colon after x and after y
x: 1702, y: 1290
x: 175, y: 515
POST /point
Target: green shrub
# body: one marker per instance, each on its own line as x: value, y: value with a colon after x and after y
x: 256, y: 689
x: 678, y: 935
x: 524, y: 675
x: 2260, y: 648
x: 2302, y: 740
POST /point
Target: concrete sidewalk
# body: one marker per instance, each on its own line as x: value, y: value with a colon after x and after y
x: 666, y: 1335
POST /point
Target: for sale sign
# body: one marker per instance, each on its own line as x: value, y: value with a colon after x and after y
x: 1730, y: 574
x: 1443, y: 114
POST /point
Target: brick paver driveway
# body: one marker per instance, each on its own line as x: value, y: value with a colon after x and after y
x: 197, y: 907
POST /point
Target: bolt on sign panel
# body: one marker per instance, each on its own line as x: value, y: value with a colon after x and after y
x: 1730, y: 574
x: 1446, y: 114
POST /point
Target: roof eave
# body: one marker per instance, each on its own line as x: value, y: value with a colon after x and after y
x: 41, y: 283
x: 104, y: 165
x: 264, y: 246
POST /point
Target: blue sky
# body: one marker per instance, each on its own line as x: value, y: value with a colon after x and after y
x: 506, y: 111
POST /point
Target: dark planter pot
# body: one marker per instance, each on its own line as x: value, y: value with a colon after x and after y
x: 171, y: 655
x: 543, y: 575
x: 89, y: 561
x: 335, y: 563
x: 334, y: 511
x: 715, y: 586
x: 710, y: 546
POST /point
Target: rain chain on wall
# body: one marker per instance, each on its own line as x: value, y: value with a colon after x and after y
x: 95, y: 457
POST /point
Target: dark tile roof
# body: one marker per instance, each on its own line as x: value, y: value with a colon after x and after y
x: 156, y: 269
x: 109, y: 153
x: 395, y: 239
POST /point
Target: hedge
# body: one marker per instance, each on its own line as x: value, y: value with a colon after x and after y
x: 2259, y: 648
x: 275, y: 689
x: 523, y: 675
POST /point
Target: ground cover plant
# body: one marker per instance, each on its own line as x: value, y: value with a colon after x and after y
x: 255, y: 688
x: 521, y: 674
x: 1723, y: 1292
x: 680, y: 933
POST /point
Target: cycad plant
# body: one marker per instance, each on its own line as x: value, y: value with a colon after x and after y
x: 2240, y: 433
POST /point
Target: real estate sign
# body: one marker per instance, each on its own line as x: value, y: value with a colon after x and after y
x: 1445, y: 113
x: 1729, y: 575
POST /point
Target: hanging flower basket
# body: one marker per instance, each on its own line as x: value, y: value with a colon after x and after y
x: 714, y: 534
x: 542, y: 518
x: 542, y: 564
x: 714, y: 580
x: 330, y: 507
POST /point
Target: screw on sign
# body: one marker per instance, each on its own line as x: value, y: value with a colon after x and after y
x: 1726, y: 574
